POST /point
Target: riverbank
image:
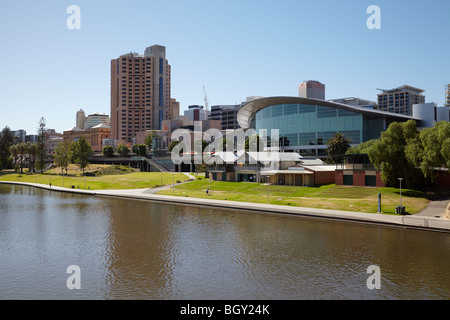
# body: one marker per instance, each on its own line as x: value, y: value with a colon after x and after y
x: 409, y: 221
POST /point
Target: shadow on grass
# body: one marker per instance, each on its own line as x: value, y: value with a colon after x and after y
x: 432, y: 194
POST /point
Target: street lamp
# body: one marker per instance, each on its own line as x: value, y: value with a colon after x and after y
x: 400, y: 209
x: 400, y: 179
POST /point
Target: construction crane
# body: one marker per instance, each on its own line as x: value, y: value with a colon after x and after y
x: 206, y: 99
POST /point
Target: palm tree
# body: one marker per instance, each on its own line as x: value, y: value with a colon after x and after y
x: 13, y: 150
x: 338, y: 145
x: 22, y: 150
x: 32, y: 152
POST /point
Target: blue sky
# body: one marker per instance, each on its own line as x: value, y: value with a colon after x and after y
x: 234, y: 48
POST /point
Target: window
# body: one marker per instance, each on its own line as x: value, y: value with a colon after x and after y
x: 326, y: 112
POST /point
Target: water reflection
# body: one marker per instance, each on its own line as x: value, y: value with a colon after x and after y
x: 141, y: 250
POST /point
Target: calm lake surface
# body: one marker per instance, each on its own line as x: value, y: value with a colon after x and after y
x: 142, y: 250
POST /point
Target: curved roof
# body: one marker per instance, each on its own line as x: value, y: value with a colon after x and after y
x: 249, y: 109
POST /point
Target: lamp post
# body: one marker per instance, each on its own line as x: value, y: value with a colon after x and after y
x: 400, y: 209
x: 400, y: 179
x: 173, y: 184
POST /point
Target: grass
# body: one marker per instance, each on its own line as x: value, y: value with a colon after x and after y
x: 134, y: 180
x: 333, y: 197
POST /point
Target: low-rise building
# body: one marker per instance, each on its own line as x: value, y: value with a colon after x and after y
x: 95, y: 135
x: 276, y: 168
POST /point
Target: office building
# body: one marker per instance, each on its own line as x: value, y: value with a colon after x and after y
x: 447, y: 96
x: 400, y: 100
x: 140, y: 93
x: 81, y: 116
x: 174, y: 108
x: 312, y: 89
x: 227, y: 115
x: 19, y: 135
x: 95, y: 119
x: 197, y: 113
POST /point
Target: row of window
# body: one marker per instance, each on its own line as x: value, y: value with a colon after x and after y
x: 291, y: 109
x: 316, y: 138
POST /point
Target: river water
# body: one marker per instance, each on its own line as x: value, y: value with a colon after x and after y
x: 130, y: 249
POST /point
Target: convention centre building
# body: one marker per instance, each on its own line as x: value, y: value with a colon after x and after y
x: 306, y: 125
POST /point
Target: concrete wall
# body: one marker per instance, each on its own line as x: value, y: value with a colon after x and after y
x: 426, y: 112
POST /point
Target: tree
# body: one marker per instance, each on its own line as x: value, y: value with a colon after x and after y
x: 225, y: 144
x: 149, y: 139
x: 82, y: 151
x: 139, y: 150
x: 22, y: 150
x: 108, y: 151
x: 32, y: 152
x: 63, y: 155
x: 41, y: 145
x: 173, y: 144
x: 122, y: 150
x: 254, y: 143
x: 6, y: 141
x: 429, y: 150
x: 388, y: 153
x: 338, y: 145
x: 14, y: 153
x: 362, y: 148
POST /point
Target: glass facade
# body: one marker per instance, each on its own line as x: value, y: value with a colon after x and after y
x: 307, y: 128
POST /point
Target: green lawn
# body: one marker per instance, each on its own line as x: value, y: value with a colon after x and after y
x: 326, y: 197
x: 135, y: 180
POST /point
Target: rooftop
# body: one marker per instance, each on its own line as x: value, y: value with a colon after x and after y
x: 403, y: 88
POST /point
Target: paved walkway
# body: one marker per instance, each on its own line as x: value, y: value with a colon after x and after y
x: 434, y: 209
x: 423, y: 222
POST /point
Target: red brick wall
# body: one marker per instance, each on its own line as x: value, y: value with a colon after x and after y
x: 359, y: 178
x: 380, y: 182
x: 339, y: 177
x: 324, y: 177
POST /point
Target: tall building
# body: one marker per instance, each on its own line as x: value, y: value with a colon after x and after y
x: 140, y: 93
x: 447, y: 96
x: 227, y: 115
x: 400, y: 100
x: 20, y: 135
x: 174, y: 108
x: 81, y: 115
x: 311, y: 89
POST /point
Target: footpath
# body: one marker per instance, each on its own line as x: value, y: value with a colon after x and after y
x: 426, y: 220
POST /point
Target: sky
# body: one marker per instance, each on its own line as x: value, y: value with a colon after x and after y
x: 235, y: 49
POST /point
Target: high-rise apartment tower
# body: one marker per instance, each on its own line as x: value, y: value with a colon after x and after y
x: 400, y: 100
x: 81, y: 115
x: 140, y: 93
